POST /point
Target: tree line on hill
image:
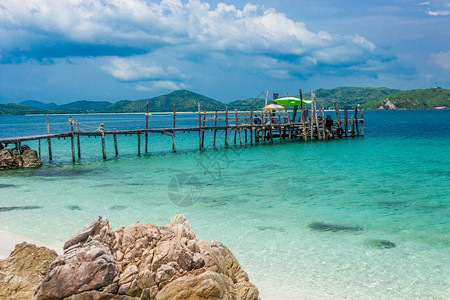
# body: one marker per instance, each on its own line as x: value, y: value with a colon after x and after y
x: 367, y: 98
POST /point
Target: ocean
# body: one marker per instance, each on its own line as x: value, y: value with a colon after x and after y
x: 356, y: 218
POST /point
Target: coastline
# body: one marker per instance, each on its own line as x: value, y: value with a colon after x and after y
x: 9, y: 240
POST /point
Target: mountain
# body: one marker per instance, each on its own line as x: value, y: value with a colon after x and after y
x: 183, y: 99
x: 350, y: 95
x: 17, y: 109
x: 85, y: 106
x: 38, y: 104
x: 247, y: 103
x: 415, y: 99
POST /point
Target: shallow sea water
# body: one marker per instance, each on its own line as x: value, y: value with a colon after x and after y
x: 357, y: 218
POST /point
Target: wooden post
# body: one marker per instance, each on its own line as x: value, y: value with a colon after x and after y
x: 71, y: 138
x: 303, y: 118
x: 356, y: 120
x: 316, y: 118
x: 338, y: 117
x: 352, y: 122
x: 49, y: 142
x: 102, y: 131
x: 251, y: 125
x: 238, y: 128
x: 139, y: 143
x: 215, y: 128
x: 78, y: 140
x: 345, y: 120
x: 199, y: 128
x: 226, y: 126
x: 115, y: 144
x: 245, y: 130
x: 174, y: 146
x: 146, y: 127
x: 203, y: 131
x: 39, y: 142
x: 263, y: 126
x: 362, y: 122
x: 235, y: 125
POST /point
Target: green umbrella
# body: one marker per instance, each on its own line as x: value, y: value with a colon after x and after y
x: 291, y: 101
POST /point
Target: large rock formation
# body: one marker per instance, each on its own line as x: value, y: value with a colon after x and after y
x: 144, y: 262
x: 11, y: 159
x: 23, y: 270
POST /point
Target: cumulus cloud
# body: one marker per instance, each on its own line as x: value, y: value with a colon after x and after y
x: 132, y: 31
x: 439, y: 13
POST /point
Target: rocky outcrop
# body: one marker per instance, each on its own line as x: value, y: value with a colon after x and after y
x: 12, y: 159
x: 23, y: 270
x: 144, y: 262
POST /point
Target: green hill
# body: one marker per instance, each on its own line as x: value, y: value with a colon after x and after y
x: 350, y: 95
x: 183, y: 99
x: 85, y: 106
x: 414, y: 99
x: 247, y: 103
x: 17, y: 109
x: 38, y: 104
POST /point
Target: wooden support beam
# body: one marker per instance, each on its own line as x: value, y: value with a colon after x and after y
x: 345, y: 120
x: 102, y: 132
x: 316, y: 121
x: 245, y: 130
x: 251, y: 125
x: 139, y: 143
x: 303, y: 117
x: 199, y: 128
x: 238, y: 128
x: 39, y: 152
x: 115, y: 144
x: 362, y: 122
x: 226, y: 126
x: 49, y: 142
x: 78, y: 141
x: 203, y: 132
x: 352, y: 122
x: 71, y: 137
x: 356, y: 120
x: 338, y: 117
x: 146, y: 127
x: 215, y: 128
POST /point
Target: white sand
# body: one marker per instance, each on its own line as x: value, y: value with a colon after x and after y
x: 8, y: 242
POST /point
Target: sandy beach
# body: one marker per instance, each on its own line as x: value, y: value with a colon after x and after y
x: 9, y: 240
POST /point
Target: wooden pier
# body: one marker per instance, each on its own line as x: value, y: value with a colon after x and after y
x: 239, y: 127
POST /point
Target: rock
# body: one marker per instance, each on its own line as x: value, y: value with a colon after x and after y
x: 381, y: 244
x: 23, y: 270
x: 144, y: 262
x: 11, y: 159
x: 318, y: 226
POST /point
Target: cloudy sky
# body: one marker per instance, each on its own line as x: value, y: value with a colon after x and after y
x: 63, y: 51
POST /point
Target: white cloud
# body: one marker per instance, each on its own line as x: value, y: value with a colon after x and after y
x: 162, y: 84
x: 140, y: 68
x: 136, y: 27
x: 439, y: 13
x: 441, y: 59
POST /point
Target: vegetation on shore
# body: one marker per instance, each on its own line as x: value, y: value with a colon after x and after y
x: 368, y: 98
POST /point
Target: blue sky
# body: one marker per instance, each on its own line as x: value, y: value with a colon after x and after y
x: 64, y: 51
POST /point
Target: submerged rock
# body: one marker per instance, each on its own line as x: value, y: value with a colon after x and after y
x: 381, y: 244
x: 23, y: 270
x: 318, y: 226
x: 144, y: 262
x: 11, y: 159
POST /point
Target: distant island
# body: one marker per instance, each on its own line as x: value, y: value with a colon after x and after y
x: 187, y: 101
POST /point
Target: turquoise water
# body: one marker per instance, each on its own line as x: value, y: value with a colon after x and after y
x: 270, y: 204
